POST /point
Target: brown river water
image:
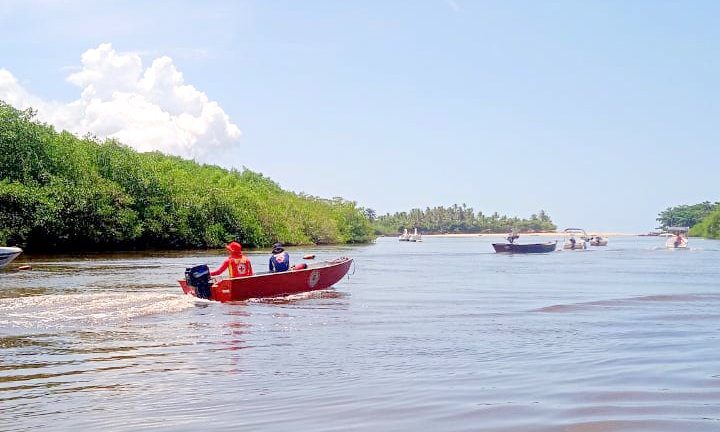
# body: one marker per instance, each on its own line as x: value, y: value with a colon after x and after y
x: 442, y: 335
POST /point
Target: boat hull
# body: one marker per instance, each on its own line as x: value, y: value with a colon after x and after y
x: 671, y: 243
x: 525, y: 248
x: 579, y: 245
x: 7, y: 254
x: 317, y: 276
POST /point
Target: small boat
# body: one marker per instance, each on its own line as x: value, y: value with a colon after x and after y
x: 312, y: 277
x: 525, y: 248
x: 596, y: 240
x: 575, y: 239
x: 677, y: 238
x: 404, y: 236
x: 512, y: 247
x: 7, y: 254
x: 415, y: 237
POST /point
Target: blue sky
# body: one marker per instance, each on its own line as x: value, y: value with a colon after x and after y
x: 602, y: 113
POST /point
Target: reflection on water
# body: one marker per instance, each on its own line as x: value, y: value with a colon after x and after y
x: 440, y: 335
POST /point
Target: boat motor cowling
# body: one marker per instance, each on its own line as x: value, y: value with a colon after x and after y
x: 198, y: 277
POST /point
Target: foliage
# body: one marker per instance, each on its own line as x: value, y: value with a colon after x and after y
x: 686, y: 215
x: 460, y: 219
x: 709, y: 227
x: 58, y: 191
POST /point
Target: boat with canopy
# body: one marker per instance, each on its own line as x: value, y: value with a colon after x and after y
x: 575, y: 239
x: 677, y: 238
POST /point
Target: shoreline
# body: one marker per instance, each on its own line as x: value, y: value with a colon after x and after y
x: 543, y: 234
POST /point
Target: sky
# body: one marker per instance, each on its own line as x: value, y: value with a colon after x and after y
x: 602, y: 113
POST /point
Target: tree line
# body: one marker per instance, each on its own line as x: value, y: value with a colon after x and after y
x: 685, y: 215
x: 703, y: 218
x: 62, y: 192
x: 458, y: 219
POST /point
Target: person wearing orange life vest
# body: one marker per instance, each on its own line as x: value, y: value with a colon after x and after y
x: 237, y: 264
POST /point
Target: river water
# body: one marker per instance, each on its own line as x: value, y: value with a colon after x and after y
x: 439, y: 335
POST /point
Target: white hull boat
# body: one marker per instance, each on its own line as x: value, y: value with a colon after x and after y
x: 678, y: 238
x: 415, y: 237
x: 575, y: 239
x: 7, y: 254
x: 598, y: 241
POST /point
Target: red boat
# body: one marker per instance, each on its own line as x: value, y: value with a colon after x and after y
x: 316, y: 276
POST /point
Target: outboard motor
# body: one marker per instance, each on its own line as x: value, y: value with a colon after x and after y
x: 198, y: 277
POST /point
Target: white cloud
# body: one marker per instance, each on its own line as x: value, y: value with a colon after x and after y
x: 147, y: 108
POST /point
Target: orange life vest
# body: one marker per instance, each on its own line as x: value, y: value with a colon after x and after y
x: 239, y: 267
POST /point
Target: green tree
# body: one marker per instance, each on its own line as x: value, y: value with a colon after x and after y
x: 58, y: 191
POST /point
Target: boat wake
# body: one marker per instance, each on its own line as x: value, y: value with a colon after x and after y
x: 330, y: 294
x: 631, y: 301
x: 72, y: 310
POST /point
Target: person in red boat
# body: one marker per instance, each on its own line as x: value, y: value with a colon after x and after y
x: 237, y: 264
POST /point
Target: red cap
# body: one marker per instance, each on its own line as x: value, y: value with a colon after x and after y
x: 234, y: 248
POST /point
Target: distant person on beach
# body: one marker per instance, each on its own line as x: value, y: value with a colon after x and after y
x: 236, y: 263
x: 279, y: 260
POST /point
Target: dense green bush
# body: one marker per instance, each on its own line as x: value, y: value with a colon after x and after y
x: 61, y: 192
x: 709, y: 227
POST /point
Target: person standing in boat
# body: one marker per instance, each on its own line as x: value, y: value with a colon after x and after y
x: 279, y: 260
x: 236, y: 263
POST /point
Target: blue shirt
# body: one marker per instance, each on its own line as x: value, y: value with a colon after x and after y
x: 279, y: 262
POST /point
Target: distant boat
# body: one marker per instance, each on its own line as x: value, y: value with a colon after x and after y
x: 596, y: 240
x: 512, y: 247
x: 404, y: 236
x: 525, y: 248
x: 415, y: 237
x: 7, y: 254
x: 677, y: 238
x: 575, y: 239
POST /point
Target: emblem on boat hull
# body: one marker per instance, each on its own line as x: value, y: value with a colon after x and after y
x: 314, y: 278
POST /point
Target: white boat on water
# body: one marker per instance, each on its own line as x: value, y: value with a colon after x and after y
x: 575, y: 239
x: 596, y: 240
x: 7, y: 254
x: 415, y: 237
x: 405, y: 236
x: 677, y: 238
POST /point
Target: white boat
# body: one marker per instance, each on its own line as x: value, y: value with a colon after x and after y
x: 7, y: 254
x: 678, y: 238
x: 404, y: 236
x: 415, y: 237
x: 596, y: 240
x: 575, y: 239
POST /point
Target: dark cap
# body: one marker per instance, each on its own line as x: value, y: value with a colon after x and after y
x: 277, y: 248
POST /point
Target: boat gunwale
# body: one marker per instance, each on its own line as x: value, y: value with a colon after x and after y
x: 313, y: 266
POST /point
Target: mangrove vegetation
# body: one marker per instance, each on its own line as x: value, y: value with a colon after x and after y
x: 61, y: 192
x: 703, y: 219
x: 685, y: 215
x: 459, y: 219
